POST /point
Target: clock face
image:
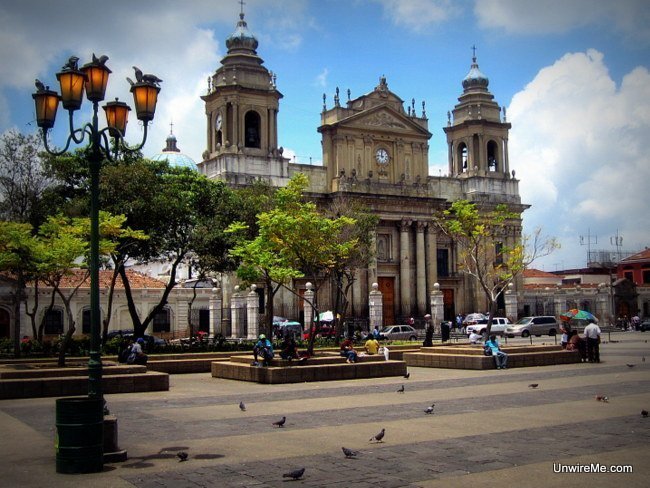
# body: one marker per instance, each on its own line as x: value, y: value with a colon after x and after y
x: 382, y: 156
x: 219, y: 121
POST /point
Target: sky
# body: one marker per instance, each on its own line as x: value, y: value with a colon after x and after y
x: 573, y: 76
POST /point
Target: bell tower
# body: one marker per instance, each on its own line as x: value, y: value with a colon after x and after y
x: 242, y: 106
x: 477, y: 137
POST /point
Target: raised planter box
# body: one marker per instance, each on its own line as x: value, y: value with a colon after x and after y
x: 321, y: 368
x: 471, y: 357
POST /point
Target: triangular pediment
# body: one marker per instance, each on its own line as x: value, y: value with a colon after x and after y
x: 382, y: 118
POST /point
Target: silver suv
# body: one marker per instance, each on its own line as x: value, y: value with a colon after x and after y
x: 524, y: 327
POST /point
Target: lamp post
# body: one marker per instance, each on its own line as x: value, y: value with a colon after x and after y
x: 92, y: 79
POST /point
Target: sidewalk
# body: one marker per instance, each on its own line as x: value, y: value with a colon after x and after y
x: 489, y: 429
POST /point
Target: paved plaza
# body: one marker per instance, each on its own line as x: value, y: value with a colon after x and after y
x: 489, y: 428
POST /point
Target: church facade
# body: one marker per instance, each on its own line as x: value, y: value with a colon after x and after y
x: 375, y: 151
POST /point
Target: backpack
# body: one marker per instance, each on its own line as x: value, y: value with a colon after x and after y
x: 487, y: 350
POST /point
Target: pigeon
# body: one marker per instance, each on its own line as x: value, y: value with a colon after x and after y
x: 280, y: 423
x: 39, y: 85
x: 242, y: 407
x: 378, y: 437
x: 533, y: 385
x: 101, y: 60
x: 644, y: 413
x: 138, y: 74
x: 643, y: 359
x: 630, y: 365
x: 602, y: 398
x: 130, y: 81
x: 72, y: 63
x: 349, y: 453
x: 295, y: 474
x: 407, y: 375
x: 429, y: 410
x: 182, y: 456
x: 149, y: 78
x: 401, y: 389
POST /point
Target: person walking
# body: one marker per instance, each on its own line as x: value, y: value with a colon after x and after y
x: 592, y: 335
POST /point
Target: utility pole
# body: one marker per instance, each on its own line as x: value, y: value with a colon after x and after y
x: 616, y: 241
x: 588, y: 240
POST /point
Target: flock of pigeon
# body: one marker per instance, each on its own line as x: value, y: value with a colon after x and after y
x: 379, y: 437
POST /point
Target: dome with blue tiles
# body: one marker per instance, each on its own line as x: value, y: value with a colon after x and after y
x: 174, y: 156
x: 475, y: 78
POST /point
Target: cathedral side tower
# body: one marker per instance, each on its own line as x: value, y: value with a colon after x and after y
x: 476, y: 135
x: 242, y: 106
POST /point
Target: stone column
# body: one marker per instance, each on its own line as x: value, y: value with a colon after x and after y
x: 559, y: 301
x: 252, y: 313
x: 309, y: 310
x: 376, y: 309
x: 372, y: 265
x: 603, y: 305
x: 215, y: 313
x: 512, y: 307
x: 404, y: 268
x: 421, y: 269
x: 431, y: 240
x: 437, y: 307
x: 238, y: 314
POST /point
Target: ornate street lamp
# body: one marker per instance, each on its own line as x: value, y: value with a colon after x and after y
x: 92, y: 79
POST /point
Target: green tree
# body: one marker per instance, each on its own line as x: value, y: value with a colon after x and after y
x: 295, y: 240
x: 482, y: 252
x: 20, y: 257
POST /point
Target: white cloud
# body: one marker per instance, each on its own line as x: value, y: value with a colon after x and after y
x: 321, y: 78
x: 419, y: 14
x: 577, y: 144
x: 629, y: 17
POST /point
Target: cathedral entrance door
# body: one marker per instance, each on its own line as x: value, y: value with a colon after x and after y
x: 387, y: 289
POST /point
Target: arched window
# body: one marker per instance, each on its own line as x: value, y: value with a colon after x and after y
x: 252, y: 129
x: 4, y: 323
x: 162, y: 321
x: 462, y: 157
x: 493, y: 156
x: 53, y: 320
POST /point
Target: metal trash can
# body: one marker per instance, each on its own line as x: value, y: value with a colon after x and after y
x: 79, y: 440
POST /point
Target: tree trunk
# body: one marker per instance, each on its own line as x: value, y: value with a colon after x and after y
x: 18, y: 298
x: 109, y: 307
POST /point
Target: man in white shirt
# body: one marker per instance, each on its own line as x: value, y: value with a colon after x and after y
x: 592, y: 335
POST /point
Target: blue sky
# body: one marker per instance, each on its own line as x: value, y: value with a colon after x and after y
x: 572, y: 74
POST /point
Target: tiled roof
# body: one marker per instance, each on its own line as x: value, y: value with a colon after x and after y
x: 640, y: 256
x: 536, y: 273
x: 541, y: 286
x: 136, y: 280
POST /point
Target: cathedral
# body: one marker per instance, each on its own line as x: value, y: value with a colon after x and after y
x: 375, y: 151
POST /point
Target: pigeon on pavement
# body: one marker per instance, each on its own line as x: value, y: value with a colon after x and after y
x: 602, y: 398
x: 242, y: 407
x: 429, y: 410
x: 630, y: 365
x: 533, y: 385
x: 182, y: 456
x: 280, y: 423
x: 378, y: 437
x: 349, y: 453
x: 644, y: 413
x: 401, y: 389
x: 407, y: 375
x: 295, y: 474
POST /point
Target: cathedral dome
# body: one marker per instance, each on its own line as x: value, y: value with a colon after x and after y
x: 174, y: 156
x: 475, y: 78
x: 241, y: 39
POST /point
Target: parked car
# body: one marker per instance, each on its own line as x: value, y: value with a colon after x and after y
x: 399, y: 332
x: 325, y: 330
x: 645, y: 325
x: 473, y: 318
x: 524, y: 327
x: 149, y: 340
x: 499, y: 325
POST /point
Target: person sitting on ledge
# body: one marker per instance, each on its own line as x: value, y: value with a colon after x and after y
x: 372, y: 345
x: 348, y: 351
x: 289, y: 349
x: 500, y: 357
x: 263, y: 348
x: 577, y: 343
x: 475, y: 338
